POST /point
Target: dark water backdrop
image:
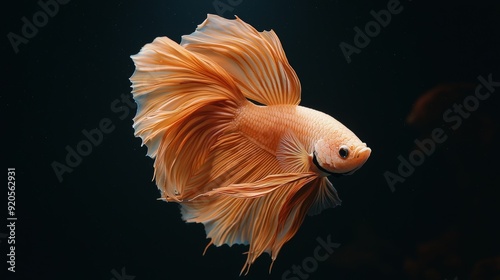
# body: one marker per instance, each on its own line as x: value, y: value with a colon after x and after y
x: 435, y: 219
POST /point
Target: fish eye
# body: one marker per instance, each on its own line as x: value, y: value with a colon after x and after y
x: 343, y: 151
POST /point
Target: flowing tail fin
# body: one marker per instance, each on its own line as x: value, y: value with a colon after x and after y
x: 180, y: 96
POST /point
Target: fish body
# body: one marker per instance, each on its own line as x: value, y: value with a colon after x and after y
x: 249, y: 173
x: 267, y: 126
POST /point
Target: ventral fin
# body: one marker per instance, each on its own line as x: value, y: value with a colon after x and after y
x: 255, y: 60
x: 292, y: 154
x: 261, y: 187
x: 325, y: 198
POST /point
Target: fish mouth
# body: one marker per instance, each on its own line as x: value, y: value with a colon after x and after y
x: 362, y: 153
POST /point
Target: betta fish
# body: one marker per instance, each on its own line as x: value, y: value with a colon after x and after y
x: 220, y: 116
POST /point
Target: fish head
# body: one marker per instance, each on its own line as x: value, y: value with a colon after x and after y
x: 340, y: 155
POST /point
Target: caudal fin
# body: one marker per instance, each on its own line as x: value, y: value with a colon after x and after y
x: 184, y: 103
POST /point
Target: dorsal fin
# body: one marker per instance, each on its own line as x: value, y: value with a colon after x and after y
x: 255, y: 60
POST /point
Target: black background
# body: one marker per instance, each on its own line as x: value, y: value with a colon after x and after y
x: 440, y: 223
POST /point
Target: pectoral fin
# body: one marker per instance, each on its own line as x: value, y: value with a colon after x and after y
x: 292, y: 154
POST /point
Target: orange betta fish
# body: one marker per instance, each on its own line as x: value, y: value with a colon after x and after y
x: 248, y: 172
